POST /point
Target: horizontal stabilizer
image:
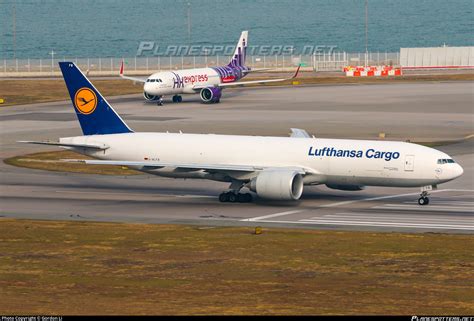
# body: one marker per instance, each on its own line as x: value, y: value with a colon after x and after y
x: 299, y: 133
x: 91, y: 146
x: 257, y: 70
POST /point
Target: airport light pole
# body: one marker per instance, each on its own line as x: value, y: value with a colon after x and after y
x: 52, y: 60
x: 206, y: 51
x: 189, y: 22
x: 366, y: 32
x: 14, y: 30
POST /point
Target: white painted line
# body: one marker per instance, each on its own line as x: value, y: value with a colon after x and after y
x: 188, y: 196
x: 427, y: 206
x: 380, y: 198
x: 375, y: 225
x: 270, y: 216
x: 387, y: 224
x: 449, y: 203
x: 135, y: 194
x: 395, y: 219
x: 425, y: 209
x: 384, y: 214
x: 459, y: 196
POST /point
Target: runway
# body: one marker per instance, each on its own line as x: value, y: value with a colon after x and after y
x: 418, y: 111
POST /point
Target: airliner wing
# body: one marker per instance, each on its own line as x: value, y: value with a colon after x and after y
x: 207, y: 167
x: 130, y: 78
x: 91, y: 146
x: 243, y: 83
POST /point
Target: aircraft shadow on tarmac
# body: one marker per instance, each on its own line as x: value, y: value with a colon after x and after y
x: 191, y: 99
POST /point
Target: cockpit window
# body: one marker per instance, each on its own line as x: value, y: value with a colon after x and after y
x: 446, y: 161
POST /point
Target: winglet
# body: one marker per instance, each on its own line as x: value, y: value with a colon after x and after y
x: 297, y: 71
x: 121, y: 69
x: 122, y: 66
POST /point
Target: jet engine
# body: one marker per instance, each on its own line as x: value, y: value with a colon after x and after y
x: 211, y: 95
x: 346, y: 187
x: 278, y: 185
x: 150, y: 97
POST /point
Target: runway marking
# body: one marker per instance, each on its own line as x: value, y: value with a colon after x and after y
x: 408, y: 224
x: 465, y: 204
x: 356, y: 216
x: 375, y: 224
x: 428, y: 208
x: 137, y: 194
x: 383, y: 197
x: 258, y: 218
x: 190, y: 196
x: 378, y: 198
x: 469, y: 136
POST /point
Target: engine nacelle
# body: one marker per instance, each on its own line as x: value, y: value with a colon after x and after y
x: 211, y: 95
x: 278, y: 185
x: 150, y: 97
x: 346, y: 187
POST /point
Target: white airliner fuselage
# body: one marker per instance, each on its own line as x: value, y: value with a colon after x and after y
x: 335, y: 162
x: 181, y: 81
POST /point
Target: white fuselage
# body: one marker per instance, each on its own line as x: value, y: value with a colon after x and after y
x: 329, y: 161
x: 180, y: 81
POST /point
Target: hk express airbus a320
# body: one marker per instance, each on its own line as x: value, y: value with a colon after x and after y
x: 207, y: 82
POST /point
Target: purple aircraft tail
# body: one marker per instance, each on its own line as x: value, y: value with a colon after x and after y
x: 238, y: 59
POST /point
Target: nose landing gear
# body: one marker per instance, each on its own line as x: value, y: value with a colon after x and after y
x: 159, y: 101
x: 424, y: 200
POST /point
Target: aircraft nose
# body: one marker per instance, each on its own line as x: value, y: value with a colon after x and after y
x: 146, y: 87
x: 457, y: 171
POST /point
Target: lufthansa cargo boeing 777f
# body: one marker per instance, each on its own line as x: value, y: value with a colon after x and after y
x: 274, y: 168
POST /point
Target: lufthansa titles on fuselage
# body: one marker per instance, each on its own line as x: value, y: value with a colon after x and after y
x: 352, y: 153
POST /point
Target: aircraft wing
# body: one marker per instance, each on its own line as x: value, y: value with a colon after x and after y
x: 130, y: 78
x: 92, y: 146
x: 243, y: 83
x: 207, y: 167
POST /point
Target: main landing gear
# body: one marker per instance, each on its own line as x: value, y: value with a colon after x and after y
x: 177, y: 99
x: 233, y: 196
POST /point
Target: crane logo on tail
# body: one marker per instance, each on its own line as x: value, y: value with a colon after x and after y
x: 85, y: 101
